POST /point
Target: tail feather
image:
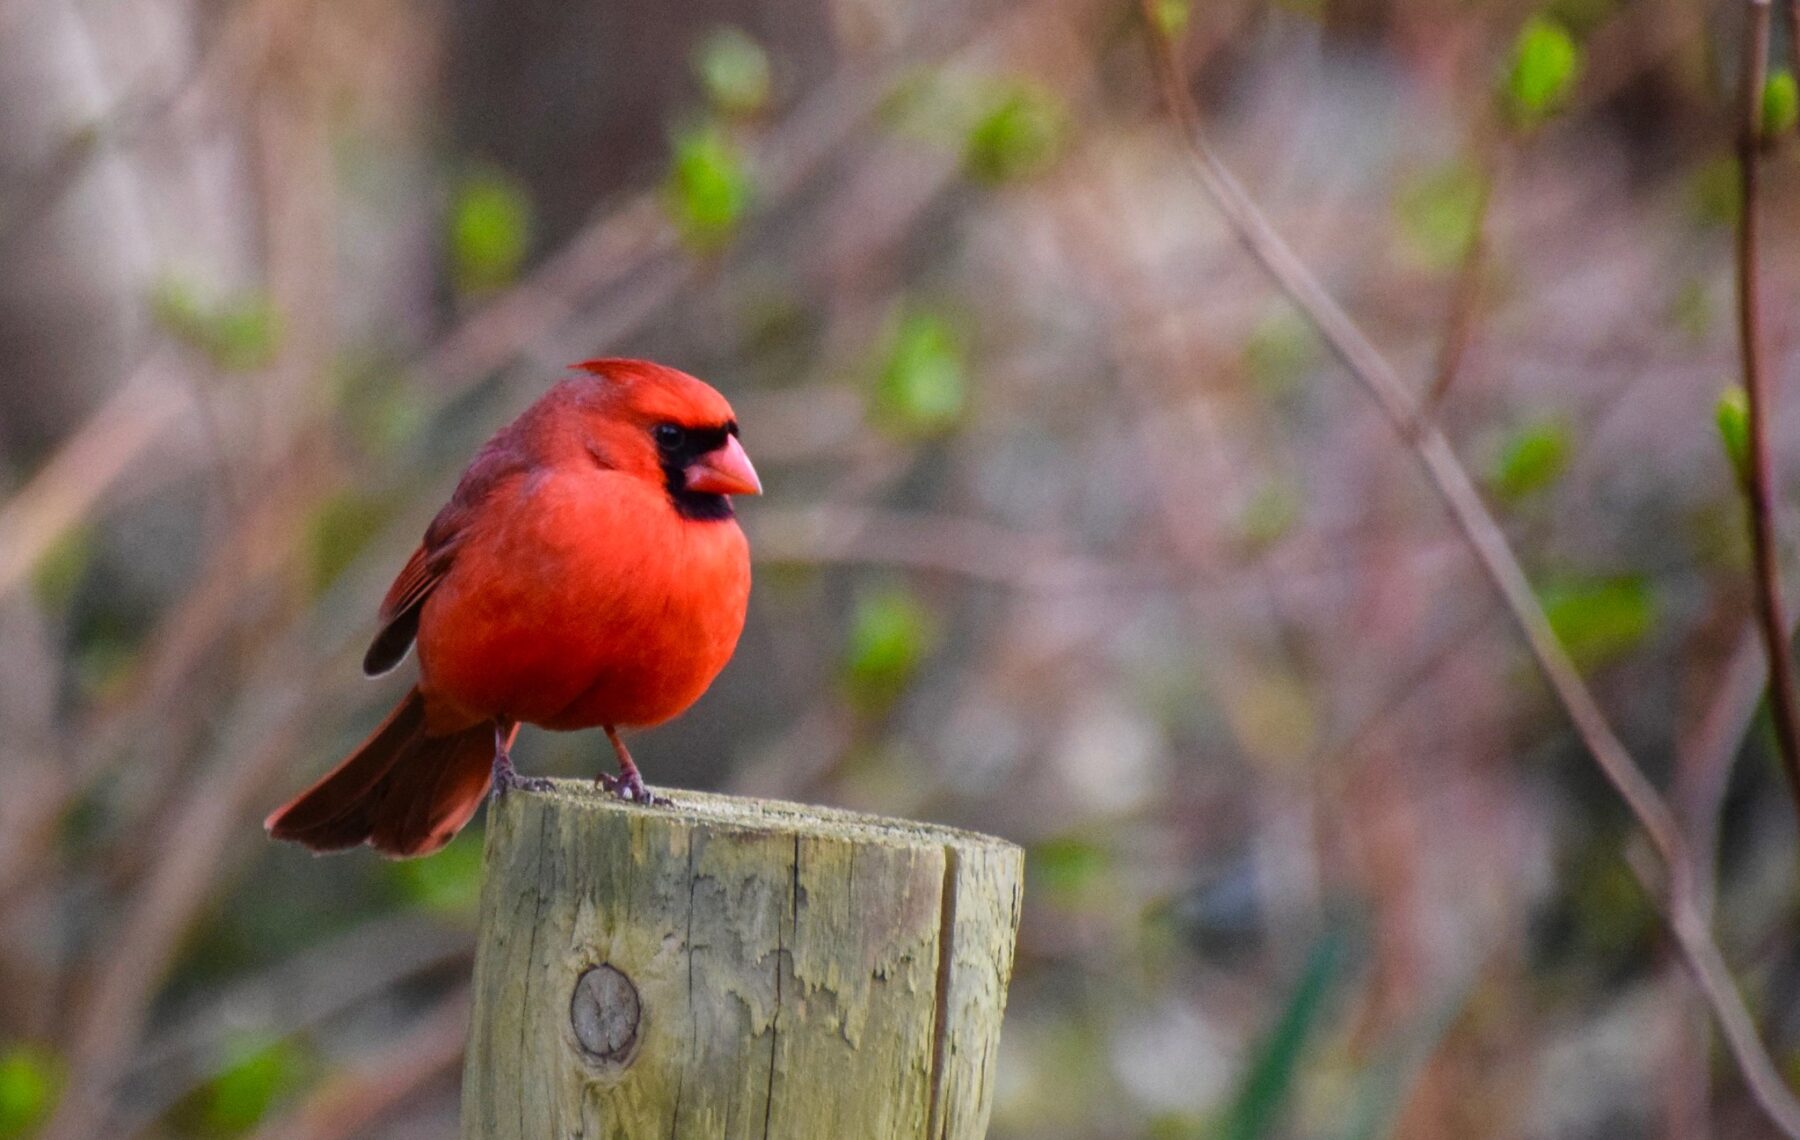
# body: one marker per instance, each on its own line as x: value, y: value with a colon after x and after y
x: 424, y: 805
x: 402, y: 792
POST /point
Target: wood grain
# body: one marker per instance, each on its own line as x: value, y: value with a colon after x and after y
x: 781, y: 971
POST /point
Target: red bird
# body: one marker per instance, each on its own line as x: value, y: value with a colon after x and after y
x: 587, y: 572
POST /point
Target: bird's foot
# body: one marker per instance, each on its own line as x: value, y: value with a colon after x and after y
x: 629, y: 786
x: 506, y: 777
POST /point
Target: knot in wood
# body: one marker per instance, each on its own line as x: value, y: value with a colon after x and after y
x: 604, y: 1012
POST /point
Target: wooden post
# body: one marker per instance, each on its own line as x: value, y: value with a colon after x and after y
x: 734, y: 968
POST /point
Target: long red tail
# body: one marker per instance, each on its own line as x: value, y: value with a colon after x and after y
x: 402, y: 792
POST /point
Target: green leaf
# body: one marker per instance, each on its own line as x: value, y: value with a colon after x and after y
x: 1733, y: 416
x: 339, y: 529
x: 1257, y: 1110
x: 448, y: 883
x: 1005, y: 127
x: 1176, y: 1126
x: 247, y: 334
x: 1017, y: 133
x: 257, y: 1072
x: 1386, y: 1084
x: 102, y: 663
x: 891, y: 632
x: 381, y: 411
x: 490, y: 232
x: 1545, y: 63
x: 30, y: 1078
x: 1532, y: 458
x: 923, y: 385
x: 1613, y: 916
x: 1171, y: 17
x: 1599, y: 621
x: 1715, y: 189
x: 1691, y: 309
x: 734, y: 69
x: 708, y: 189
x: 1780, y: 104
x: 60, y: 569
x: 1068, y: 866
x: 1281, y: 350
x: 240, y: 333
x: 1440, y: 213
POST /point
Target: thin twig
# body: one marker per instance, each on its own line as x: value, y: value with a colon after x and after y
x: 68, y: 487
x: 967, y: 547
x: 1792, y: 11
x: 346, y: 1104
x: 1704, y: 755
x: 1483, y: 533
x: 1703, y: 764
x: 1758, y: 478
x: 295, y: 995
x: 1489, y: 544
x: 1465, y: 294
x: 105, y: 1027
x: 138, y: 116
x: 1417, y: 682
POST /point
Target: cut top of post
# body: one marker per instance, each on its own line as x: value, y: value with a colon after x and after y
x: 715, y: 811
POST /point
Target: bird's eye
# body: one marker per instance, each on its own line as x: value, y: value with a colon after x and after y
x: 669, y: 436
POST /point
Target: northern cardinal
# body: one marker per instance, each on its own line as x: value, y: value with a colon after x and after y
x: 588, y: 571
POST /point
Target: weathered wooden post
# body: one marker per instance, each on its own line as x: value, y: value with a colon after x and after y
x: 734, y: 968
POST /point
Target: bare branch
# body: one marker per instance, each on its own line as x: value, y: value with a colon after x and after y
x: 109, y: 1022
x: 1758, y: 476
x: 1792, y: 12
x: 62, y: 493
x: 967, y: 547
x: 202, y: 98
x: 346, y: 1104
x: 1484, y: 536
x: 1465, y: 293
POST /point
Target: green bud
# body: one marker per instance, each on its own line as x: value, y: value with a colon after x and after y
x: 1780, y: 104
x: 1734, y: 429
x: 1545, y: 62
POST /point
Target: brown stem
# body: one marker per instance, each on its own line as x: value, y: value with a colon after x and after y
x: 1759, y: 477
x: 1792, y: 11
x: 1465, y: 295
x: 347, y: 1103
x: 1678, y: 894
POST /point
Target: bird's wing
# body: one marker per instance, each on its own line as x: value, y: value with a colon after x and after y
x: 400, y: 610
x: 415, y: 582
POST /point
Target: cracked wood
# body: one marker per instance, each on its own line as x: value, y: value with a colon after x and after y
x: 800, y: 972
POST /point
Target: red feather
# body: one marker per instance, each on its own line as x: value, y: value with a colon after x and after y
x: 571, y: 582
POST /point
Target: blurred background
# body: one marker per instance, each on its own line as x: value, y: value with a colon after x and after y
x: 1074, y: 534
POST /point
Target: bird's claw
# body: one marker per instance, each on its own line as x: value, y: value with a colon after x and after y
x: 630, y: 788
x: 506, y: 778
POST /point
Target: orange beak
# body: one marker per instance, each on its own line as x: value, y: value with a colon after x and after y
x: 723, y: 471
